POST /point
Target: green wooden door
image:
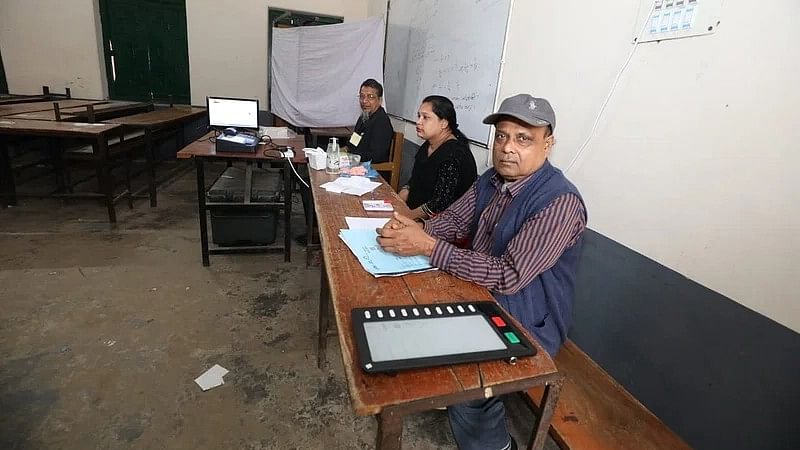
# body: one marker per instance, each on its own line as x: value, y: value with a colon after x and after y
x: 146, y: 49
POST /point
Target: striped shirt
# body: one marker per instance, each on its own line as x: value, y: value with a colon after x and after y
x: 534, y: 249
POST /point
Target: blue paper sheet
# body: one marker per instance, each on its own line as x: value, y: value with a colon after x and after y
x: 376, y: 261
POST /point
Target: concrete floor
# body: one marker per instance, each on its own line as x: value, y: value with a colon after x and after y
x: 104, y: 328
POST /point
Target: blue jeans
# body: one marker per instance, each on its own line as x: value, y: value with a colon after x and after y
x: 479, y: 424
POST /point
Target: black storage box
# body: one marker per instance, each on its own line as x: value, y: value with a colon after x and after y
x: 237, y: 225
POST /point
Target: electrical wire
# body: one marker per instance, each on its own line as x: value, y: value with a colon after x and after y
x: 295, y: 172
x: 279, y: 151
x: 582, y: 148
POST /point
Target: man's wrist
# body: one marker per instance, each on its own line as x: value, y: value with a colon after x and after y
x: 430, y: 244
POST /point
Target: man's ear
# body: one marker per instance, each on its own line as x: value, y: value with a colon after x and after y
x: 549, y: 141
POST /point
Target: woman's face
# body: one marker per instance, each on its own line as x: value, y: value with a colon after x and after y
x: 429, y: 124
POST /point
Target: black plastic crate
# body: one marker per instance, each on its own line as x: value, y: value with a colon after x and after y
x: 237, y: 225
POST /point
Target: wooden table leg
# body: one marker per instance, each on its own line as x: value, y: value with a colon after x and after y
x: 324, y: 316
x: 542, y: 425
x: 309, y: 224
x: 287, y: 211
x: 104, y: 176
x: 201, y: 209
x: 149, y: 154
x: 8, y: 191
x: 390, y: 430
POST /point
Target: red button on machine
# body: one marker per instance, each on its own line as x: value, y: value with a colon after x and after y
x: 498, y: 321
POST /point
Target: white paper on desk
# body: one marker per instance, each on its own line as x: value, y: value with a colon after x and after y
x: 365, y: 223
x: 331, y: 186
x: 211, y: 378
x: 351, y: 185
x: 378, y: 262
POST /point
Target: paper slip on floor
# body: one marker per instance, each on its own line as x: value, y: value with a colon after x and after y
x: 211, y: 378
x: 351, y: 185
x: 376, y: 261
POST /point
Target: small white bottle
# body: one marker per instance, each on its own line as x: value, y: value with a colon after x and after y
x: 332, y: 165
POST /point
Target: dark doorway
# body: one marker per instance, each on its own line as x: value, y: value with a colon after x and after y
x: 3, y: 82
x: 146, y: 49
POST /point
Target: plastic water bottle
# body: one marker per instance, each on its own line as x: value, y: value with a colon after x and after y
x: 332, y: 165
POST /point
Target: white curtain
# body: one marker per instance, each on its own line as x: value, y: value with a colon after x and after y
x: 317, y: 71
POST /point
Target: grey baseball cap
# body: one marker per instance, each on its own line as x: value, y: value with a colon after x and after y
x: 527, y: 108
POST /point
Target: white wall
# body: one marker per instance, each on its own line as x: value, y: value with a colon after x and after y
x: 47, y: 42
x: 692, y: 162
x: 50, y: 42
x: 228, y: 42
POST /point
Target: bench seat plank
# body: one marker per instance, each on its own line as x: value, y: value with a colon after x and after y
x: 595, y: 412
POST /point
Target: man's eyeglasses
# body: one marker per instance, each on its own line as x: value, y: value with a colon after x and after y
x: 367, y: 96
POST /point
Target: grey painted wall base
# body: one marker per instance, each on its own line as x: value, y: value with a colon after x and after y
x: 718, y: 374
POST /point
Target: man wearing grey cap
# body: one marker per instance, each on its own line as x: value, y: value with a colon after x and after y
x: 517, y: 232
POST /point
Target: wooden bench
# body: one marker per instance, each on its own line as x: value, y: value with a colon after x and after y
x: 594, y: 412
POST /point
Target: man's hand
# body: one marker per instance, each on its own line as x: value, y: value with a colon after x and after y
x: 405, y: 237
x: 403, y: 194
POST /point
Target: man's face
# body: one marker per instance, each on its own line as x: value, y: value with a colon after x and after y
x: 519, y: 149
x: 368, y: 99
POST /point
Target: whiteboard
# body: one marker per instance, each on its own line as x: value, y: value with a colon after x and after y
x: 446, y: 47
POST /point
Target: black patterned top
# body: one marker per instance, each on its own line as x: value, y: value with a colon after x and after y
x: 441, y: 178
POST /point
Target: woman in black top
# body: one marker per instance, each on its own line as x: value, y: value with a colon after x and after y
x: 444, y: 167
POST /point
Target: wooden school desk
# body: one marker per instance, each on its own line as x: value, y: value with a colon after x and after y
x: 22, y: 108
x: 346, y: 285
x: 204, y: 150
x: 96, y: 133
x: 102, y: 111
x: 157, y: 125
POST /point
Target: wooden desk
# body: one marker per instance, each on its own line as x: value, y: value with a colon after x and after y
x: 203, y: 149
x: 96, y: 133
x: 22, y: 108
x: 346, y: 285
x: 340, y: 132
x: 160, y: 118
x: 102, y: 111
x: 156, y: 125
x: 10, y: 99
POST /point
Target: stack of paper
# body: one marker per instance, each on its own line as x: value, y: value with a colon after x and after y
x: 351, y: 185
x: 376, y: 261
x: 365, y: 223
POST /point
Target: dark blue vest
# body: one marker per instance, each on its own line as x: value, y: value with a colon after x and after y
x: 544, y: 306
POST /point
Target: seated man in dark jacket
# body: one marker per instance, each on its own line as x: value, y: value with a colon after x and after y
x: 372, y: 135
x: 523, y: 220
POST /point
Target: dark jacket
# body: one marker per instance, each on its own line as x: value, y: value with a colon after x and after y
x: 544, y: 306
x: 376, y: 137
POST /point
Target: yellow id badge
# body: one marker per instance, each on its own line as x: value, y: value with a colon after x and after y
x: 355, y: 139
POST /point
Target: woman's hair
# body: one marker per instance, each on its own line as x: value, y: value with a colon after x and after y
x: 444, y: 109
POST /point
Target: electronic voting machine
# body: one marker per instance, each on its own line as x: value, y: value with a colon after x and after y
x: 392, y: 338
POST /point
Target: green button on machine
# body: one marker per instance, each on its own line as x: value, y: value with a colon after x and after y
x: 511, y: 337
